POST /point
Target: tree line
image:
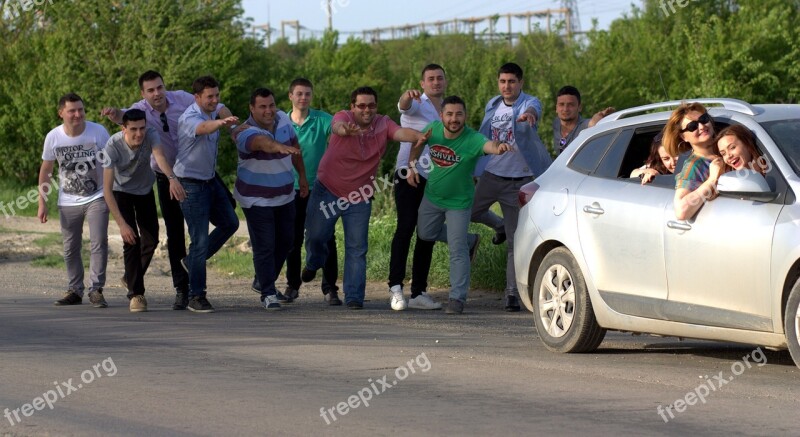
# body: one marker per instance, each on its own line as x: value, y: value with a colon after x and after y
x: 746, y: 49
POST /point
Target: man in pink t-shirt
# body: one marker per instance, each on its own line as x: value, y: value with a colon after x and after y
x: 346, y: 183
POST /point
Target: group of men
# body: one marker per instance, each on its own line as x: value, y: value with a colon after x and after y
x: 298, y: 173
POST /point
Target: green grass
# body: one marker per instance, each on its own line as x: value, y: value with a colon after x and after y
x: 13, y: 195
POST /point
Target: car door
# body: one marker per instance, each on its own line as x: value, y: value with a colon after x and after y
x: 718, y: 263
x: 620, y: 228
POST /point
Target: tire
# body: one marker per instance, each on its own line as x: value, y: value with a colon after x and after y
x: 562, y: 309
x: 791, y: 323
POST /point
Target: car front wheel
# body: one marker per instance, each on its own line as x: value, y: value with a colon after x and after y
x: 791, y: 321
x: 562, y: 309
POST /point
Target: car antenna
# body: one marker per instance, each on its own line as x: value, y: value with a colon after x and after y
x: 666, y: 95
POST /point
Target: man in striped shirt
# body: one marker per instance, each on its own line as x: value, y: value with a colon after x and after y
x: 268, y: 152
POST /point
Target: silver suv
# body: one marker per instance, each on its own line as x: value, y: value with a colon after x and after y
x: 596, y: 250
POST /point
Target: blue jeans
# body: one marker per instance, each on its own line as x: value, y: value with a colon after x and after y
x: 431, y: 227
x: 206, y: 202
x: 321, y: 216
x: 271, y: 231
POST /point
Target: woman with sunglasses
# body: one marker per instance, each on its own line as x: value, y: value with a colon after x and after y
x: 691, y: 128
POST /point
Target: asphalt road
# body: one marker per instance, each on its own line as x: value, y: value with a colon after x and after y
x: 246, y: 371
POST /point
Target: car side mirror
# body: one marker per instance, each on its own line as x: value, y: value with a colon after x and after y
x: 745, y: 184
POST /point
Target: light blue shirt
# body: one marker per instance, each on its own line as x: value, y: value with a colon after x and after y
x: 535, y: 158
x: 197, y: 154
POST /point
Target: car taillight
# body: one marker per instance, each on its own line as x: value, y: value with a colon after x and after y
x: 526, y: 192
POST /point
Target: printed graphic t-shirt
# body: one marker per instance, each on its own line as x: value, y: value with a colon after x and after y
x: 450, y: 180
x: 80, y: 175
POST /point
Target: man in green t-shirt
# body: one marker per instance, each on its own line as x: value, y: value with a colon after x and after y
x: 454, y: 152
x: 313, y: 128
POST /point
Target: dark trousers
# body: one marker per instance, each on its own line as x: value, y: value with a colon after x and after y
x: 330, y: 271
x: 407, y: 200
x: 139, y: 212
x: 271, y: 234
x: 176, y: 235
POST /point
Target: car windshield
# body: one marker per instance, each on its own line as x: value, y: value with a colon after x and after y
x: 786, y: 134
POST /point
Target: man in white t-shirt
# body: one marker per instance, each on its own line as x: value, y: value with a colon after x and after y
x: 75, y: 145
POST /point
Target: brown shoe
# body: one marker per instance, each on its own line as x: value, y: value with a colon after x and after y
x: 138, y: 304
x: 69, y: 298
x: 96, y: 299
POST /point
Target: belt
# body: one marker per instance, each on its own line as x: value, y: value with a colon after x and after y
x: 195, y: 181
x: 521, y: 178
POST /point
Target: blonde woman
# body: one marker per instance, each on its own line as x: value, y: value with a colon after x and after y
x: 691, y: 128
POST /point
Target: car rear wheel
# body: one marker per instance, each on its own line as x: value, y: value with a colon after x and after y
x: 562, y: 309
x: 791, y: 321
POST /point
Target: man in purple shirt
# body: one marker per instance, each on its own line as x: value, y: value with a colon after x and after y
x: 163, y: 109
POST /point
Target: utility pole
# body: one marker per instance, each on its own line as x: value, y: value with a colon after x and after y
x: 330, y: 16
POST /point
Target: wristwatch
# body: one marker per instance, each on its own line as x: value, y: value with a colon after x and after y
x: 172, y: 177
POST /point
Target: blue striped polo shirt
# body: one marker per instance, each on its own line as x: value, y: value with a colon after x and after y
x: 265, y: 179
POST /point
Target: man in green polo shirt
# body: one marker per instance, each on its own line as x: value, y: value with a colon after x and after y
x: 454, y: 152
x: 313, y: 127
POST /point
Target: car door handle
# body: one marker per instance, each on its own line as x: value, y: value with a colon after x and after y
x: 679, y: 225
x: 593, y: 209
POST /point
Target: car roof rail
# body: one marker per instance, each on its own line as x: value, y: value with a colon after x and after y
x: 732, y: 104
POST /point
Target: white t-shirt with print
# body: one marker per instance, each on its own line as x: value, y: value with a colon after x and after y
x: 80, y: 173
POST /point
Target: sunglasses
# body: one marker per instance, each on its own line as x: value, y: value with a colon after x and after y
x: 693, y: 125
x: 164, y: 124
x: 563, y: 142
x: 363, y: 106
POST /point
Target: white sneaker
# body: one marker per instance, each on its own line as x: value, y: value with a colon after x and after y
x: 424, y: 302
x: 397, y: 302
x: 271, y: 302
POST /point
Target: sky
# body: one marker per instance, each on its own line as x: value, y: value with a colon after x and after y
x: 357, y: 15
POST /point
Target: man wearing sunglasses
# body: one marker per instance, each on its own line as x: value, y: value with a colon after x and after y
x: 162, y: 109
x: 568, y: 122
x: 346, y: 182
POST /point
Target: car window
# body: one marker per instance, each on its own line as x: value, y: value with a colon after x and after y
x: 786, y: 135
x: 590, y: 154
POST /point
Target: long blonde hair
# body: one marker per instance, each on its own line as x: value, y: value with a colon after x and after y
x: 672, y: 141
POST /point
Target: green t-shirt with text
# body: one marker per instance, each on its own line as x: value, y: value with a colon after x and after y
x: 453, y: 161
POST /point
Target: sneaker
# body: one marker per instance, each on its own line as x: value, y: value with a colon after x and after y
x: 181, y: 301
x: 512, y: 304
x: 455, y: 306
x: 138, y: 304
x: 69, y: 298
x: 281, y: 298
x: 123, y: 283
x: 271, y: 302
x: 184, y: 265
x: 308, y: 275
x: 499, y: 237
x: 473, y: 248
x: 353, y: 305
x: 333, y: 298
x: 199, y: 304
x: 97, y: 300
x: 424, y: 302
x: 256, y: 286
x: 397, y: 302
x: 291, y: 294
